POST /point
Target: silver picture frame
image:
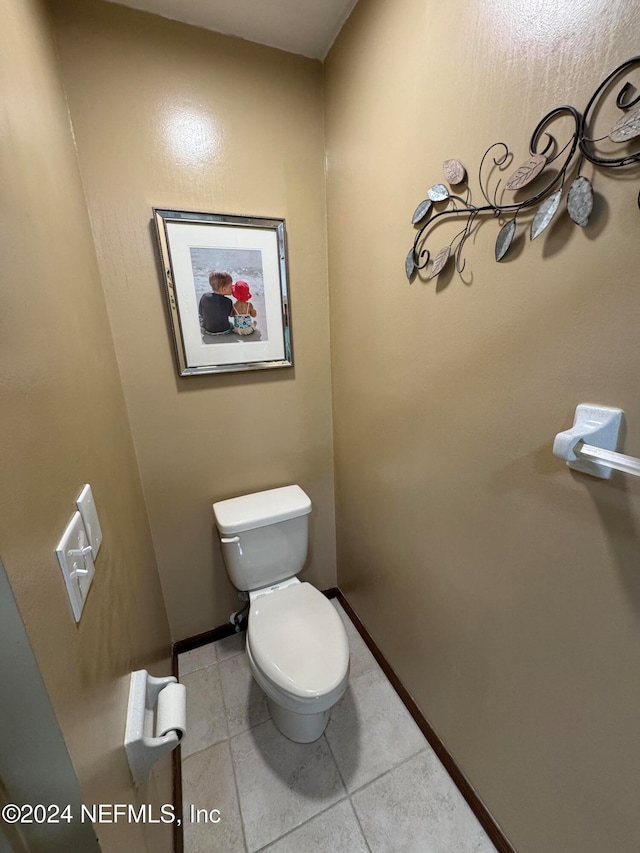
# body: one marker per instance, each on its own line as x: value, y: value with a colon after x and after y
x: 225, y: 279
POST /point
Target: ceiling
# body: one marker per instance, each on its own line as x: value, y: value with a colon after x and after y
x: 307, y: 27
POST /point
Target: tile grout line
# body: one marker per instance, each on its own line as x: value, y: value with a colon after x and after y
x: 425, y: 749
x: 300, y: 825
x: 241, y: 651
x: 353, y: 809
x: 309, y: 819
x: 198, y: 668
x: 377, y: 668
x: 226, y: 741
x: 384, y: 773
x: 209, y: 745
x: 359, y: 822
x: 233, y: 764
x: 237, y: 790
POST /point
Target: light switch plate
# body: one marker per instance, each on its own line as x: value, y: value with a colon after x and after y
x: 76, y: 562
x: 87, y: 507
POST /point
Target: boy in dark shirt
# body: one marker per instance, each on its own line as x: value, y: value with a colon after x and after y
x: 216, y: 308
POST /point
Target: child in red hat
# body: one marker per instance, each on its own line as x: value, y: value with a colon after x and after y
x: 243, y: 310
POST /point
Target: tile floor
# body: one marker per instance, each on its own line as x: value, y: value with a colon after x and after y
x: 371, y: 783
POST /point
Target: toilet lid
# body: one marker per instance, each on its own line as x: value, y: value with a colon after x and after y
x: 298, y: 640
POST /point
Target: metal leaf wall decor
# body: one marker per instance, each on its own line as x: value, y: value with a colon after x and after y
x: 580, y: 200
x: 545, y: 213
x: 547, y: 193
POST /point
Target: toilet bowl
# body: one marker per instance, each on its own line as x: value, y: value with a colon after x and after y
x: 296, y: 643
x: 299, y: 655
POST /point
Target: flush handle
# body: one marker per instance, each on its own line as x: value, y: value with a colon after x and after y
x: 232, y: 541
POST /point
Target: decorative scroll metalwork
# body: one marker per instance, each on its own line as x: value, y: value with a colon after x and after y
x: 442, y: 204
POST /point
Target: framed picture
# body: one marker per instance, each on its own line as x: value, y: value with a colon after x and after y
x: 226, y: 285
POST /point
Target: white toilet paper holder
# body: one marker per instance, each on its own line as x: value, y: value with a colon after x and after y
x: 155, y: 724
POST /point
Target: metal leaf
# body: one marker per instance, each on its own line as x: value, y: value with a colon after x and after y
x: 438, y: 192
x: 409, y: 264
x: 627, y: 127
x: 580, y: 201
x: 454, y: 171
x: 505, y: 237
x: 545, y: 214
x: 440, y: 261
x: 421, y: 211
x: 527, y: 172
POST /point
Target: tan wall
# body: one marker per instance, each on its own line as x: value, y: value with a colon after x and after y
x: 201, y: 439
x: 501, y: 587
x: 64, y: 423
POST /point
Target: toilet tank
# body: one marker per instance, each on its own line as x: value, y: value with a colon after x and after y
x: 264, y: 536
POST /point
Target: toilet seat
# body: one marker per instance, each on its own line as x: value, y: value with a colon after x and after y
x: 297, y: 641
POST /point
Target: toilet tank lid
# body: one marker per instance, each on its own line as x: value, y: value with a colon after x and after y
x: 260, y: 508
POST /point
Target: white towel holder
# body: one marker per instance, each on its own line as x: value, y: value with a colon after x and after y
x: 590, y: 445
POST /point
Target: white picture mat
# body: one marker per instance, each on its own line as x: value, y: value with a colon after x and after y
x: 181, y: 237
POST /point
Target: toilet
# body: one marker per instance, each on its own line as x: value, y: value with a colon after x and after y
x: 297, y: 646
